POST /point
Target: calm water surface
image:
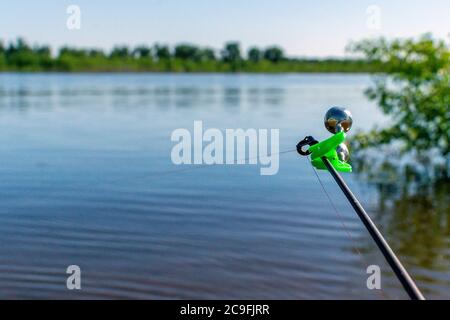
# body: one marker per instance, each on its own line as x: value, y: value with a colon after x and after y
x: 86, y: 179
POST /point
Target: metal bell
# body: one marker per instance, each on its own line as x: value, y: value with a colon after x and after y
x: 338, y: 119
x: 342, y: 152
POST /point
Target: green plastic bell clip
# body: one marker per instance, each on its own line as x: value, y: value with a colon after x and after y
x: 337, y: 121
x: 327, y: 148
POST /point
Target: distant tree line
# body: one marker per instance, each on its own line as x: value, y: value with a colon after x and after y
x: 21, y: 56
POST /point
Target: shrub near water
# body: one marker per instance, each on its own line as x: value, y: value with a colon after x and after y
x: 414, y: 91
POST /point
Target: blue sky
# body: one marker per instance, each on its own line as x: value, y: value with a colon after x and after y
x: 302, y: 28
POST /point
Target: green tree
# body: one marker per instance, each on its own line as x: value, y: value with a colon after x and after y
x: 120, y: 52
x: 162, y: 52
x: 2, y: 56
x: 72, y: 59
x: 44, y: 57
x: 67, y: 51
x: 232, y: 52
x: 96, y: 53
x: 274, y: 54
x: 414, y: 91
x: 142, y: 52
x: 207, y: 54
x: 254, y: 55
x: 21, y: 56
x: 187, y: 52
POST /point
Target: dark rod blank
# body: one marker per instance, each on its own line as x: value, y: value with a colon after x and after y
x: 400, y: 271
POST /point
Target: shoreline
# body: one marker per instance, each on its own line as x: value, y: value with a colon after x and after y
x: 189, y: 72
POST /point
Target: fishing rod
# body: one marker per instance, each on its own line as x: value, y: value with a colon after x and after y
x: 332, y: 154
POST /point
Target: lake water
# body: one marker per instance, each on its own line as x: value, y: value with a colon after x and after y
x: 86, y: 179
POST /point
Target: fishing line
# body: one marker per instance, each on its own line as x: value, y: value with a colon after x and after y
x: 201, y: 166
x: 362, y: 260
x: 180, y: 170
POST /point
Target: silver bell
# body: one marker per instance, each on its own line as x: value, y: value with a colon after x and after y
x: 342, y: 152
x: 338, y: 119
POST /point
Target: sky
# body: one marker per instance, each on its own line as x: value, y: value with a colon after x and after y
x: 320, y: 28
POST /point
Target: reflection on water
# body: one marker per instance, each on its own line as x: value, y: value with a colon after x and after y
x: 413, y: 207
x: 179, y: 96
x: 419, y: 224
x: 83, y: 181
